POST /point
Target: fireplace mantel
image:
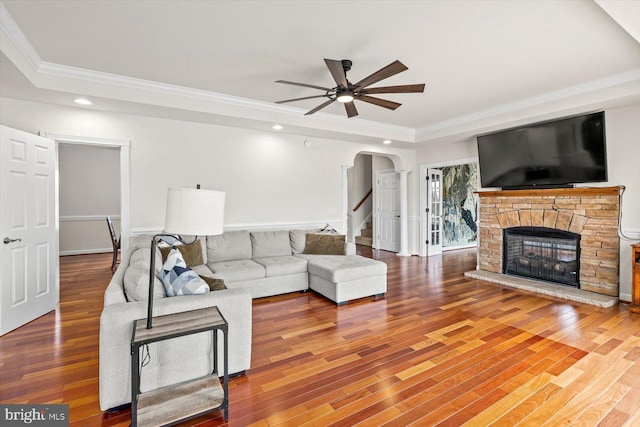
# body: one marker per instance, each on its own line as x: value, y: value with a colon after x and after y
x: 554, y: 192
x: 592, y: 212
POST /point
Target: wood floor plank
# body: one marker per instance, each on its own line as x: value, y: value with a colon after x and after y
x: 438, y: 349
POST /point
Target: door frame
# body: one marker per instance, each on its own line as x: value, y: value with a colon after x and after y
x: 124, y: 146
x: 424, y: 170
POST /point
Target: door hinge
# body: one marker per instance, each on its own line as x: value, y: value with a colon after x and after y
x: 427, y: 210
x: 427, y: 177
x: 427, y: 242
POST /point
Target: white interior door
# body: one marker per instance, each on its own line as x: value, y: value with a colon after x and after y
x: 388, y: 211
x: 434, y: 212
x: 29, y: 285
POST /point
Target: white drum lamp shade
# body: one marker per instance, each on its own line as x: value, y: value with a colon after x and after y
x: 194, y: 212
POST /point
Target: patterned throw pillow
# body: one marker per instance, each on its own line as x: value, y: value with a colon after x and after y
x: 178, y: 279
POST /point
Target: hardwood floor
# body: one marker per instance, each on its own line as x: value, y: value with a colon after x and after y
x: 439, y: 349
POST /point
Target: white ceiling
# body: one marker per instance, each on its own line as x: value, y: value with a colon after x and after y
x: 485, y: 63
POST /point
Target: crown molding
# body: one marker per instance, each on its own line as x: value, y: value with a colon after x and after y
x: 51, y: 69
x: 11, y: 30
x: 47, y: 75
x: 630, y: 80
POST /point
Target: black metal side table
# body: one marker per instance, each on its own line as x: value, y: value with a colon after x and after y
x: 170, y: 404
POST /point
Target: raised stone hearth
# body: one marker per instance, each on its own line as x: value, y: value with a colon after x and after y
x: 593, y: 213
x: 548, y: 289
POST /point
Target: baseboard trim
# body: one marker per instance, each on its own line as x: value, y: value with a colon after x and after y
x: 73, y: 218
x: 87, y: 251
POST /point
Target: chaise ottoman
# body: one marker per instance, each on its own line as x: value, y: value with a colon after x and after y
x: 343, y: 278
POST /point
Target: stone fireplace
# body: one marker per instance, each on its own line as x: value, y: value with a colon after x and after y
x: 568, y: 236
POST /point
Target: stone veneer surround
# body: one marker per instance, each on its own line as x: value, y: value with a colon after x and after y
x: 591, y: 212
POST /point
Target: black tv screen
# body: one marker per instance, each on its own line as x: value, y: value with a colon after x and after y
x: 554, y: 153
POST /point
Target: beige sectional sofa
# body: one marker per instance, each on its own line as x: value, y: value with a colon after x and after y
x: 252, y: 265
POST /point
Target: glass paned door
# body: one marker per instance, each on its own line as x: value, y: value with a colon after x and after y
x: 434, y: 212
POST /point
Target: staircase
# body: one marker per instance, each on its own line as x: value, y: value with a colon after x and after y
x: 366, y: 236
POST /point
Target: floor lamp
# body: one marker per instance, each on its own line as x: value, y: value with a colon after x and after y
x: 192, y: 212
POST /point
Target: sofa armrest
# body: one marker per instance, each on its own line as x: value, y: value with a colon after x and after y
x: 116, y: 327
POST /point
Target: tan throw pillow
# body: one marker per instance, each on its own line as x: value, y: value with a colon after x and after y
x: 214, y: 283
x: 192, y: 253
x: 324, y: 244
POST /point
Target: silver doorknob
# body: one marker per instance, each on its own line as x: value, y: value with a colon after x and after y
x: 7, y: 240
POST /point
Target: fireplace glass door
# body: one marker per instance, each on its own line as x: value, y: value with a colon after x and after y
x: 542, y: 253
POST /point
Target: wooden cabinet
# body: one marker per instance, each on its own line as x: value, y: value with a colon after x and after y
x: 635, y: 279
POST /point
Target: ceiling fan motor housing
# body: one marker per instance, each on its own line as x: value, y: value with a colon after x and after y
x: 346, y: 65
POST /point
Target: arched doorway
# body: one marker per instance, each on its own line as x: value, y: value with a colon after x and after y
x: 376, y: 201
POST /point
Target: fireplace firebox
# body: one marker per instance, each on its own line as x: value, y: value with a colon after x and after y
x: 542, y: 253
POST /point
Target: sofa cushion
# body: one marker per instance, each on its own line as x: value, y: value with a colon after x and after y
x: 234, y: 271
x: 230, y: 246
x: 325, y: 244
x: 270, y: 243
x: 343, y: 268
x: 282, y: 265
x: 136, y: 276
x: 298, y: 239
x: 178, y: 279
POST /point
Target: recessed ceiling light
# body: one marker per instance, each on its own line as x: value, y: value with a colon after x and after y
x: 82, y: 101
x: 276, y: 127
x: 386, y: 141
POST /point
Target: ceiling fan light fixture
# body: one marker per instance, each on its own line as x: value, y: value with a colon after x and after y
x: 345, y: 97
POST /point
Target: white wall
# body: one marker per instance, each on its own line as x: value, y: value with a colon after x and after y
x: 270, y: 178
x: 623, y: 161
x: 89, y: 178
x: 623, y: 165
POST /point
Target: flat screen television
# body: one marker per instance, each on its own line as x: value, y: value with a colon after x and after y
x: 556, y: 153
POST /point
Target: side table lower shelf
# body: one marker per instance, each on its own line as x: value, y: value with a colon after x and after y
x: 177, y: 402
x: 168, y: 405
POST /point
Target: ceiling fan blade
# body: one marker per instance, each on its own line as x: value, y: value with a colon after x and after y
x: 395, y: 89
x: 335, y: 67
x: 300, y: 99
x: 351, y: 109
x: 320, y: 107
x: 302, y: 84
x: 390, y: 70
x: 379, y: 102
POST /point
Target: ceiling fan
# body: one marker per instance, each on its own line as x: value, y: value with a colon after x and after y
x: 346, y: 92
